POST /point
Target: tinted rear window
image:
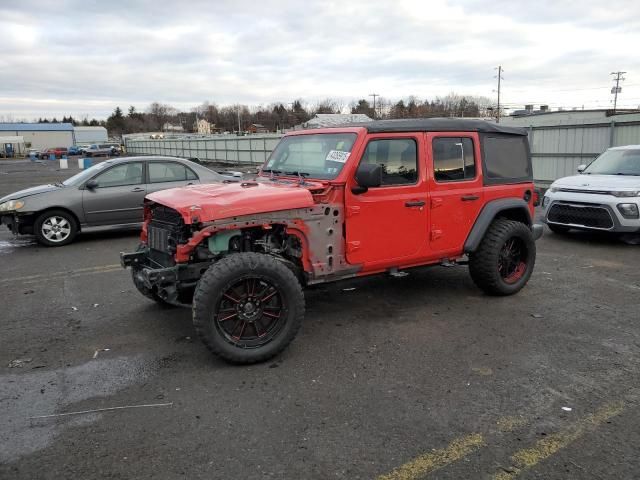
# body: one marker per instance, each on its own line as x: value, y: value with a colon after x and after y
x: 506, y: 158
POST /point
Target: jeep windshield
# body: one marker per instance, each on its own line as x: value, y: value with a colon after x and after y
x: 320, y: 156
x: 615, y: 162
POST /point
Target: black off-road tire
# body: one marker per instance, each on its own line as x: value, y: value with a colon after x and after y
x: 484, y: 263
x: 219, y: 278
x: 559, y: 229
x: 68, y: 225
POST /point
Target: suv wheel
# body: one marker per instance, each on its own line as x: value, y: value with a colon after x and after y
x: 559, y: 229
x: 505, y: 258
x: 248, y: 307
x: 55, y: 228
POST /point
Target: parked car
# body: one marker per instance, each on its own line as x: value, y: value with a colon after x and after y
x: 109, y: 193
x: 604, y: 196
x: 74, y: 150
x: 96, y: 150
x: 332, y: 204
x: 57, y: 152
x: 31, y: 151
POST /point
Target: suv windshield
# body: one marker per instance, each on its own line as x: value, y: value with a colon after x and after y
x: 616, y: 162
x: 319, y: 156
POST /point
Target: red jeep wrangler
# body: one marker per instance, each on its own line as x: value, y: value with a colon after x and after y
x: 337, y: 203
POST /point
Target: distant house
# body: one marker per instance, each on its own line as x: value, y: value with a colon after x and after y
x: 257, y: 128
x: 202, y: 127
x: 334, y: 119
x: 169, y: 127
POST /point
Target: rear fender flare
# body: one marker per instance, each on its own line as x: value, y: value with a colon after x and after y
x: 515, y: 208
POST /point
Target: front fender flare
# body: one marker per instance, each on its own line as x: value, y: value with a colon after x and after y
x: 488, y: 213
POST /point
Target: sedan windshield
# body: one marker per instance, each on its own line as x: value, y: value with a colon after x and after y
x: 616, y: 162
x: 320, y: 156
x: 78, y: 178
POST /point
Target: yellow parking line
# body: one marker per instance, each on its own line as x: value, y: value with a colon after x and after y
x: 551, y: 444
x: 76, y: 272
x: 429, y: 462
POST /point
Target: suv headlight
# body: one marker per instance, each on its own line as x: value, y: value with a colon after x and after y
x: 628, y: 210
x: 11, y: 205
x: 553, y: 189
x: 626, y: 194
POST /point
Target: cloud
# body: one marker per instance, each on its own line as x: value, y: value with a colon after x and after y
x: 86, y: 57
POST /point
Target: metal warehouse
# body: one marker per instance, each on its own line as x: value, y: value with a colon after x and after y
x: 88, y: 135
x: 40, y: 135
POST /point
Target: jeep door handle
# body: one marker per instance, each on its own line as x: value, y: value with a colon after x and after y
x: 469, y: 198
x: 138, y: 190
x: 415, y: 203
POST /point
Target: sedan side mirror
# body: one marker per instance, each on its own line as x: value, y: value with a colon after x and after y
x: 581, y: 168
x: 368, y: 175
x: 91, y: 184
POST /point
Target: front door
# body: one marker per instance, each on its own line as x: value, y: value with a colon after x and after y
x: 456, y: 189
x: 388, y: 224
x: 118, y: 197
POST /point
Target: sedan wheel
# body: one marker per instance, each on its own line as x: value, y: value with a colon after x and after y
x: 55, y: 228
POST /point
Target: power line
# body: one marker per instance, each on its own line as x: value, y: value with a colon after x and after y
x: 617, y: 89
x: 499, y: 68
x: 374, y: 95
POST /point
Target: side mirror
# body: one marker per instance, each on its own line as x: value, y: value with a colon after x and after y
x: 368, y: 175
x: 91, y: 184
x: 581, y: 168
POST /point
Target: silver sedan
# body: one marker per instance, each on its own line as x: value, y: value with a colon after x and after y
x: 109, y: 193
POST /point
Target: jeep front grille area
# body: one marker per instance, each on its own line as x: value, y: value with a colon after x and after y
x: 165, y: 232
x: 583, y: 215
x: 158, y: 238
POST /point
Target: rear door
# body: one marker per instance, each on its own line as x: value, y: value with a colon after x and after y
x: 118, y: 197
x: 388, y: 224
x: 456, y: 189
x: 167, y: 174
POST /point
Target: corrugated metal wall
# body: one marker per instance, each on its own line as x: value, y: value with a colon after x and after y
x: 556, y: 150
x: 251, y: 150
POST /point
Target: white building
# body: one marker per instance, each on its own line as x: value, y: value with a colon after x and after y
x: 169, y: 127
x: 202, y: 127
x: 89, y: 135
x: 41, y: 135
x: 335, y: 119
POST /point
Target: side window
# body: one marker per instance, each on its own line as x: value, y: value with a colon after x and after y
x: 191, y: 174
x: 166, y: 172
x: 121, y: 175
x: 453, y: 159
x: 398, y: 158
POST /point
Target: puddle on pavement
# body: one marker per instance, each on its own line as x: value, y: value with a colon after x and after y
x: 7, y: 246
x: 34, y: 393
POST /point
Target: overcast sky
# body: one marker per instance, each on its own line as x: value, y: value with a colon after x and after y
x: 84, y: 58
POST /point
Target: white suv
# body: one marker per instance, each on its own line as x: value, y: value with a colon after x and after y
x: 605, y: 196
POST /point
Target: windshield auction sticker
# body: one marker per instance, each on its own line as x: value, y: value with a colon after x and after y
x: 338, y: 156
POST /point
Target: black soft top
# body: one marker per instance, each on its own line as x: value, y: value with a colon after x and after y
x: 438, y: 125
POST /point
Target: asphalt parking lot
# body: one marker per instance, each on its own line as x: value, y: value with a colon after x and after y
x: 390, y: 378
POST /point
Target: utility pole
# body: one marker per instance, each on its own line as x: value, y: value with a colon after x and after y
x: 239, y: 126
x: 617, y: 89
x: 500, y: 70
x: 374, y: 95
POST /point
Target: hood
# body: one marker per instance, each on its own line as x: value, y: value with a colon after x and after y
x: 27, y: 192
x: 223, y: 200
x: 599, y: 182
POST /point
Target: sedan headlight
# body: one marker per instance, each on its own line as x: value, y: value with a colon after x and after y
x: 11, y: 205
x: 634, y: 193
